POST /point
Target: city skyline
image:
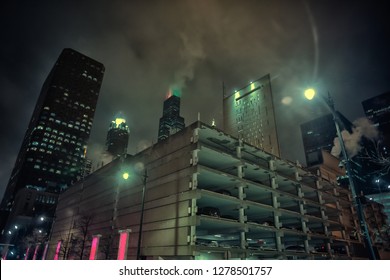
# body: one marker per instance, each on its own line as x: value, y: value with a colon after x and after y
x: 196, y: 47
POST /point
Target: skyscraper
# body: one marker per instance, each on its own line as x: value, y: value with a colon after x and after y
x: 248, y: 114
x: 171, y: 121
x: 317, y: 135
x: 117, y: 137
x: 52, y: 155
x: 377, y: 110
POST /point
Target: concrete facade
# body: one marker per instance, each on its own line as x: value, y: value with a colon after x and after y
x: 208, y: 196
x: 248, y: 114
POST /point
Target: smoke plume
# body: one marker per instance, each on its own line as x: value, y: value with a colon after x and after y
x: 362, y: 128
x: 191, y: 53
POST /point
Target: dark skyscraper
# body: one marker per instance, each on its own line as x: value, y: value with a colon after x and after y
x: 377, y: 110
x: 317, y: 135
x: 117, y: 137
x: 52, y: 155
x: 171, y: 121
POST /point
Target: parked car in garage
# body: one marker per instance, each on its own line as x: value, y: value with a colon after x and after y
x: 210, y: 211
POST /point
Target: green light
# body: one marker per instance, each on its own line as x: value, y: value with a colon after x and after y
x: 176, y: 92
x: 310, y: 93
x: 125, y: 175
x: 118, y: 121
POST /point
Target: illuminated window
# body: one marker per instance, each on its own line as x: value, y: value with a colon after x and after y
x: 46, y: 108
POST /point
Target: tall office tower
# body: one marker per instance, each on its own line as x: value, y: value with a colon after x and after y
x: 117, y: 137
x: 248, y: 114
x: 377, y: 110
x: 317, y: 135
x: 52, y: 155
x: 171, y: 121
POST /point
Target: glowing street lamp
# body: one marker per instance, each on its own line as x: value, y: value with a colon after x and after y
x: 309, y: 94
x: 125, y: 175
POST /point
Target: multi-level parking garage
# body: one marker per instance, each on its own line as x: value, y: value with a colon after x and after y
x: 268, y: 208
x: 211, y: 196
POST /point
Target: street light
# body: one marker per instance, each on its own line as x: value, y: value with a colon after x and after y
x: 126, y: 176
x: 141, y: 221
x: 309, y: 94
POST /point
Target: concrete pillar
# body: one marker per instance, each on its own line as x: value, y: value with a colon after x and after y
x: 45, y: 250
x: 36, y: 250
x: 279, y: 245
x: 123, y: 244
x: 94, y: 247
x: 194, y: 158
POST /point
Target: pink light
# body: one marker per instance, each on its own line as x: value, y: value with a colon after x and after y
x: 45, y: 251
x: 123, y: 242
x: 36, y: 251
x: 169, y: 94
x: 58, y: 249
x: 27, y: 252
x: 94, y: 247
x: 5, y: 253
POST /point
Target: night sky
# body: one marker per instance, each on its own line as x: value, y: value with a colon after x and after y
x: 148, y: 46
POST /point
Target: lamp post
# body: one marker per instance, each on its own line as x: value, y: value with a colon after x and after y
x: 126, y: 176
x: 309, y: 94
x: 141, y: 221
